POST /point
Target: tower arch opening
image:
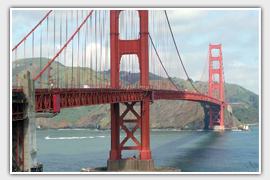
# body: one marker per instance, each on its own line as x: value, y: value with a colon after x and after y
x: 129, y: 25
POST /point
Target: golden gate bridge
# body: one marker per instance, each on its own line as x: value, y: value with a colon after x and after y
x: 90, y: 57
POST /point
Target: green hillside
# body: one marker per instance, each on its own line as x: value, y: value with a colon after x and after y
x: 56, y: 70
x: 245, y: 104
x: 164, y: 114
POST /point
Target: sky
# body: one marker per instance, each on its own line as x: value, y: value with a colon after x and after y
x: 238, y: 30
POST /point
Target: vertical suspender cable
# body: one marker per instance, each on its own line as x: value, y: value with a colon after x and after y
x: 100, y: 49
x: 106, y: 50
x: 129, y: 57
x: 78, y: 54
x: 102, y: 39
x: 16, y: 68
x: 134, y: 24
x: 121, y: 37
x: 96, y: 45
x: 87, y: 39
x: 65, y: 58
x: 91, y: 52
x: 33, y: 54
x: 48, y: 55
x: 40, y: 57
x: 82, y: 56
x: 205, y: 65
x: 108, y: 41
x: 104, y: 44
x: 125, y: 62
x: 158, y: 39
x: 59, y: 59
x: 54, y: 45
x: 72, y: 53
x: 225, y: 93
x: 24, y: 60
x: 127, y: 37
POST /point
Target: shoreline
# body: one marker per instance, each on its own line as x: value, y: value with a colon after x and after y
x: 152, y: 129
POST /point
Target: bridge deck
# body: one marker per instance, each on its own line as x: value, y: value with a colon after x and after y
x: 55, y: 99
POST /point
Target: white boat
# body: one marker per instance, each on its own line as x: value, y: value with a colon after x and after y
x: 246, y: 128
x: 47, y: 137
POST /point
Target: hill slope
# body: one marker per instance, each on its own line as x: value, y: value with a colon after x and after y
x: 163, y: 114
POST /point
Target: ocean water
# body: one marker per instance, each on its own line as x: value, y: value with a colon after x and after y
x: 191, y: 151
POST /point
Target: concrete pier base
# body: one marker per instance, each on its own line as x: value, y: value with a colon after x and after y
x: 130, y: 165
x: 218, y: 128
x: 156, y: 169
x: 26, y: 156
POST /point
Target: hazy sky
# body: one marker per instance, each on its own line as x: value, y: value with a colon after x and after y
x: 237, y: 30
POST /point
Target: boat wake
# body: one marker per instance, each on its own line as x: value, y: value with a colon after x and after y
x: 60, y: 138
x: 76, y: 129
x: 165, y: 129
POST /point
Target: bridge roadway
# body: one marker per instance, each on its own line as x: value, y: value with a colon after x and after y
x: 55, y: 99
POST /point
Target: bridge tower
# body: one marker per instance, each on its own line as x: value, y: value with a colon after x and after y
x: 216, y: 87
x: 119, y: 48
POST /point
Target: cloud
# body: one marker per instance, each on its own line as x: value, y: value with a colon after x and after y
x: 245, y: 76
x: 186, y: 14
x: 237, y: 64
x: 194, y: 29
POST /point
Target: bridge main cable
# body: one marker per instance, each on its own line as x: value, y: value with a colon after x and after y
x: 57, y: 54
x: 178, y: 52
x: 15, y: 47
x: 162, y: 63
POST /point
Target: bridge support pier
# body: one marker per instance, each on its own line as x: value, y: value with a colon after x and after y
x: 145, y: 161
x: 115, y: 153
x: 216, y: 117
x: 130, y: 165
x: 24, y: 151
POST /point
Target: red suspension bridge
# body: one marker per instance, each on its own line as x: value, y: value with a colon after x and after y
x: 83, y: 58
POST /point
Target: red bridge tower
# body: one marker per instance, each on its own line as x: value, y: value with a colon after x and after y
x: 216, y: 87
x: 118, y: 49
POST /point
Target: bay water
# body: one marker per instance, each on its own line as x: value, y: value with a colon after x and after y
x: 70, y: 150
